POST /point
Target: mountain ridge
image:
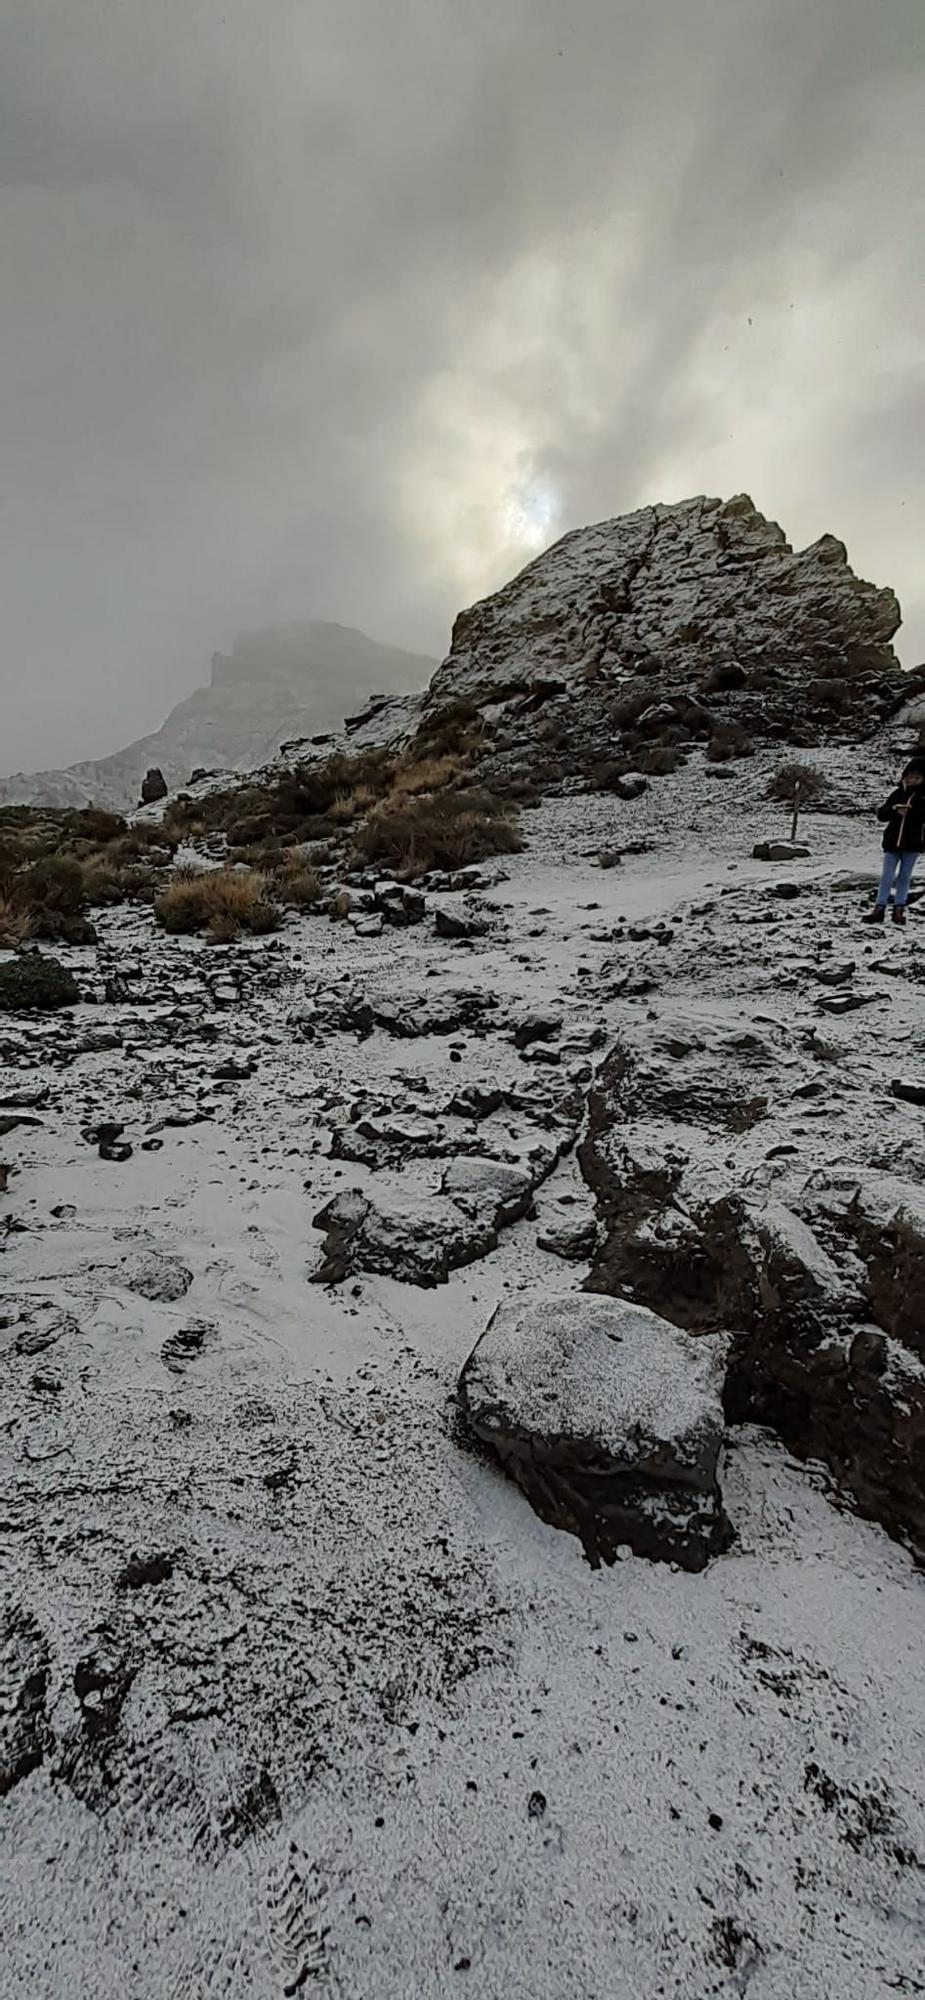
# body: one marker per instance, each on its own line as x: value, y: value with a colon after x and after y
x: 276, y: 683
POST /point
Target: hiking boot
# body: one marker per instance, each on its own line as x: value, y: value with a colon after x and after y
x: 899, y: 915
x: 876, y: 915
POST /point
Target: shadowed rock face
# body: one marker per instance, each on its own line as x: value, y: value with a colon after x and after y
x: 609, y: 1419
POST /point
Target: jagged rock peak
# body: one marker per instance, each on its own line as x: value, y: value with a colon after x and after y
x: 674, y: 589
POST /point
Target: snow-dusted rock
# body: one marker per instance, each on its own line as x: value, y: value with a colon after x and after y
x: 674, y: 593
x: 481, y: 1186
x: 609, y: 1418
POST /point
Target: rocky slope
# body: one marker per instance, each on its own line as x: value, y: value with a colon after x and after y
x: 285, y: 1658
x: 365, y: 1286
x: 290, y: 682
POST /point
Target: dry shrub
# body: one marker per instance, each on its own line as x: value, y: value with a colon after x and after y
x: 107, y: 881
x: 729, y: 740
x: 660, y: 760
x: 446, y: 830
x: 296, y: 883
x: 15, y: 922
x: 452, y: 731
x: 787, y: 778
x: 56, y: 883
x: 414, y: 776
x: 725, y: 676
x: 195, y: 898
x: 342, y: 810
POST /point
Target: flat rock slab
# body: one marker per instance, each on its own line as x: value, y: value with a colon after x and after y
x: 609, y: 1418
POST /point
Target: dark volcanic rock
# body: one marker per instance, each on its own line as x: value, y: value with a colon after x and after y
x: 421, y: 1245
x: 153, y: 787
x: 609, y: 1419
x: 909, y: 1093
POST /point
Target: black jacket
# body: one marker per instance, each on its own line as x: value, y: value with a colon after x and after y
x: 904, y: 813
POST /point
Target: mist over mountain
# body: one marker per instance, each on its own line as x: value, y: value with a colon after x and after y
x: 281, y: 682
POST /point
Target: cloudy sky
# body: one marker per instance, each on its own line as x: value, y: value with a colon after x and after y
x: 341, y: 308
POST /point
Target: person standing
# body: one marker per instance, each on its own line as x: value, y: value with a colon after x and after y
x: 903, y: 841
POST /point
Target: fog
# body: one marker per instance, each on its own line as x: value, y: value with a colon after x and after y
x: 342, y: 308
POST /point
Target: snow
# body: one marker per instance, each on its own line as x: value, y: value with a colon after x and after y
x: 379, y: 1731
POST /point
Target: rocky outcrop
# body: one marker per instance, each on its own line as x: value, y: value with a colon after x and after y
x: 609, y: 1419
x: 154, y: 786
x: 822, y: 1276
x: 669, y: 625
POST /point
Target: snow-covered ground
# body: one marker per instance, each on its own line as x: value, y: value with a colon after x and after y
x: 299, y: 1694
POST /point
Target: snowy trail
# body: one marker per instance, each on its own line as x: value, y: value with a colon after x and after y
x: 300, y: 1695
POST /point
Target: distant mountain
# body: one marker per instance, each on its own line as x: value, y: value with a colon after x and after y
x: 276, y: 685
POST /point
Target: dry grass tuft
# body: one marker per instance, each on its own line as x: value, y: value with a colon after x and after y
x: 444, y: 830
x: 197, y: 900
x: 296, y: 883
x: 15, y: 923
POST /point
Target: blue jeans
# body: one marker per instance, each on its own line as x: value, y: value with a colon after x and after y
x: 898, y: 867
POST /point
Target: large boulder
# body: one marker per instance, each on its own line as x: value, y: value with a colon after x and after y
x: 645, y: 633
x: 153, y: 787
x: 609, y: 1418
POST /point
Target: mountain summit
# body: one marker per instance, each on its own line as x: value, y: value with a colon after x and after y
x: 286, y: 681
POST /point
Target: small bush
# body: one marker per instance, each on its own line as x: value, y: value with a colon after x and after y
x: 449, y: 830
x: 296, y: 883
x: 36, y: 984
x: 725, y: 676
x: 56, y: 883
x: 452, y: 731
x: 729, y: 740
x: 15, y: 923
x: 661, y: 760
x: 195, y: 898
x: 787, y: 778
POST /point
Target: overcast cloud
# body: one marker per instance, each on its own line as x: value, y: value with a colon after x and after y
x: 339, y: 308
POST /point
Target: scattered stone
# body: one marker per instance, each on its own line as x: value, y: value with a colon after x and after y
x: 834, y: 975
x: 479, y: 1198
x: 144, y: 1572
x: 483, y: 1187
x: 786, y: 892
x: 609, y: 1419
x: 573, y: 1241
x: 536, y: 1028
x: 631, y: 785
x: 909, y: 1093
x: 846, y: 1003
x: 155, y: 1276
x: 458, y: 928
x: 107, y: 1137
